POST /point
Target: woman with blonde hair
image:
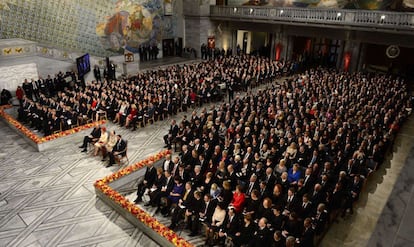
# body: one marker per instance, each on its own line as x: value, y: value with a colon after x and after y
x: 109, y: 145
x: 121, y: 111
x: 132, y: 114
x: 103, y: 140
x: 281, y: 167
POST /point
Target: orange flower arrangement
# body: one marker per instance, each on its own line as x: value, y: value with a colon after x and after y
x: 38, y: 140
x: 151, y: 222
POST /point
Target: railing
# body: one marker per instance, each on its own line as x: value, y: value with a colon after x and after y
x: 361, y: 18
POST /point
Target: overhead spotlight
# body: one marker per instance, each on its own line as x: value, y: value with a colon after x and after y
x: 251, y: 11
x: 382, y: 17
x: 339, y: 14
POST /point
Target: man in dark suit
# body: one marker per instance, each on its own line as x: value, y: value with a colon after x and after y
x: 269, y: 177
x: 97, y: 73
x: 168, y: 165
x: 118, y: 149
x: 252, y: 185
x: 172, y: 134
x: 166, y: 188
x: 317, y: 195
x: 262, y: 235
x: 92, y: 137
x: 308, y: 180
x: 291, y: 203
x: 184, y: 204
x: 353, y: 194
x: 307, y: 236
x: 192, y: 213
x: 231, y: 225
x: 305, y: 208
x: 149, y: 178
x: 207, y: 209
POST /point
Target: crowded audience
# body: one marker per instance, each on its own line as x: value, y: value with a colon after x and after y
x: 274, y: 168
x: 61, y: 103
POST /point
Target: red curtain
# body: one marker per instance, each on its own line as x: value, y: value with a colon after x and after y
x: 347, y: 60
x: 278, y: 51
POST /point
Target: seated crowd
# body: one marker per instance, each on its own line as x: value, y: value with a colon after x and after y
x: 138, y: 99
x: 274, y: 168
x: 105, y: 143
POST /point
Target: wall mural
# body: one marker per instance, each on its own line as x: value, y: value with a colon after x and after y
x: 397, y: 5
x: 99, y: 27
x: 134, y: 23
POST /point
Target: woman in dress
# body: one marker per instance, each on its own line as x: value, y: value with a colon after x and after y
x: 103, y: 140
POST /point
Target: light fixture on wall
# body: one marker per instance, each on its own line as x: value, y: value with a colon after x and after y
x: 281, y: 12
x: 251, y: 11
x: 382, y: 17
x: 339, y: 14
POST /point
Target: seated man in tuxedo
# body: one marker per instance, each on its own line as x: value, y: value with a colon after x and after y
x: 172, y: 134
x: 183, y: 205
x: 192, y: 212
x: 165, y: 190
x: 149, y: 179
x: 91, y: 138
x: 118, y: 149
x: 232, y: 224
x: 204, y: 214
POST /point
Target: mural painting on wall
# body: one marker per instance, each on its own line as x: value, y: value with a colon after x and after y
x: 134, y: 23
x: 397, y: 5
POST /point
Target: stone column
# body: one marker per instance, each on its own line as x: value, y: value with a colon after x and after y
x: 351, y: 49
x: 198, y: 25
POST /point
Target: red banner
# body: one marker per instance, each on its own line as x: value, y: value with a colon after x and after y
x: 347, y: 60
x: 278, y: 51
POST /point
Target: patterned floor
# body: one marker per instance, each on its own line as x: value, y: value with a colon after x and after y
x: 48, y: 199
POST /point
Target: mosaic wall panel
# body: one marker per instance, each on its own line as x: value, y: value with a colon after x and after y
x: 102, y: 28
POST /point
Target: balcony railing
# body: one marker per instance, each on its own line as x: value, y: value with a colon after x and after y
x: 359, y: 18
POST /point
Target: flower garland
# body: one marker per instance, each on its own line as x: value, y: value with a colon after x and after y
x: 38, y: 140
x: 144, y: 217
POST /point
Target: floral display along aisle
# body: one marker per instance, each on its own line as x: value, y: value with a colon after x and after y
x: 35, y: 138
x: 134, y: 210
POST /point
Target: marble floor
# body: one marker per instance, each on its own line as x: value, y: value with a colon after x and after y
x: 48, y: 199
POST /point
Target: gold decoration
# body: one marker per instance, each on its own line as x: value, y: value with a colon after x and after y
x: 18, y: 50
x: 7, y: 51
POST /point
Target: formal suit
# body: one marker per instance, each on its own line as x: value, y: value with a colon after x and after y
x: 261, y: 238
x: 168, y: 165
x: 178, y: 212
x: 307, y: 237
x: 165, y: 190
x: 158, y: 183
x: 172, y: 134
x: 149, y: 179
x: 304, y: 210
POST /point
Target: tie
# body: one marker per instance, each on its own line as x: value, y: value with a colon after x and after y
x: 250, y: 188
x: 205, y: 210
x: 185, y: 195
x: 290, y: 199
